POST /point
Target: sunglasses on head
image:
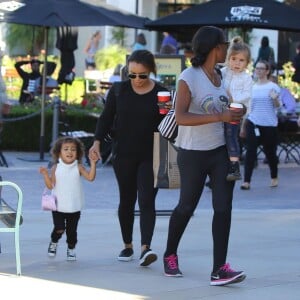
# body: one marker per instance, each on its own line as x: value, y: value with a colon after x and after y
x: 140, y: 76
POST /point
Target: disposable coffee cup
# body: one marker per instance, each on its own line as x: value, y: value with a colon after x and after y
x: 162, y: 98
x: 236, y: 107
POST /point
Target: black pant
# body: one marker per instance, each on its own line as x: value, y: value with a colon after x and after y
x: 135, y: 180
x: 269, y: 140
x: 65, y: 221
x: 194, y: 166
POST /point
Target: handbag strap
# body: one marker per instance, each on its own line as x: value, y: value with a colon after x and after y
x: 173, y: 95
x: 47, y: 191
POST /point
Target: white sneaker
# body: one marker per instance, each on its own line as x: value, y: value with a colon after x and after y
x: 71, y: 255
x: 274, y: 182
x: 52, y: 249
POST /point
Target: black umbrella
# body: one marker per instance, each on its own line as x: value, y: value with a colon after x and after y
x: 57, y: 13
x: 268, y: 14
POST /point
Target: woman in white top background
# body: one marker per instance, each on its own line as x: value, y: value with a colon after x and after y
x: 261, y: 124
x: 91, y: 49
x: 67, y: 153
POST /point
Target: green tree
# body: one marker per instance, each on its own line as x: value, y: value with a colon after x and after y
x: 109, y: 57
x: 26, y: 39
x: 118, y: 36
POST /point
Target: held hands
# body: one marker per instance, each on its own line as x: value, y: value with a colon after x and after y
x: 94, y: 152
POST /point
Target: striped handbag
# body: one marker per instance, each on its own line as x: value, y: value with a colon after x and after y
x: 168, y: 127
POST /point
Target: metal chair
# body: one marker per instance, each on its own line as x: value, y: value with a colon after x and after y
x: 12, y: 219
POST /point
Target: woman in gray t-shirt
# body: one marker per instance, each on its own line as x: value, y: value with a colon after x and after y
x: 201, y: 109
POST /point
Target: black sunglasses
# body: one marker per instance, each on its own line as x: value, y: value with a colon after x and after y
x: 140, y: 76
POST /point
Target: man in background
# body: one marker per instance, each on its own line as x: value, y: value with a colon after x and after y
x: 29, y: 85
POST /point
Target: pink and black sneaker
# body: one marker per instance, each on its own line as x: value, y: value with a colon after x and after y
x: 225, y: 275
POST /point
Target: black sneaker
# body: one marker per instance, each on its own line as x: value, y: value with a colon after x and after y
x: 225, y: 275
x: 126, y: 254
x: 171, y: 266
x: 52, y: 249
x: 147, y: 257
x: 234, y: 171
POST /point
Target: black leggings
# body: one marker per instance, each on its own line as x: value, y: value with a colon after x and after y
x: 65, y: 221
x: 194, y: 166
x: 269, y: 139
x: 135, y: 180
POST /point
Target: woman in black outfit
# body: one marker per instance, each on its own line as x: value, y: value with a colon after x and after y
x: 132, y: 110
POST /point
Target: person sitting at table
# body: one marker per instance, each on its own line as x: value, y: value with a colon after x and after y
x: 29, y: 86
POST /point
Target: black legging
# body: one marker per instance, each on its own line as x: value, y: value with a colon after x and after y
x: 194, y: 166
x: 135, y: 180
x: 65, y: 222
x: 269, y: 140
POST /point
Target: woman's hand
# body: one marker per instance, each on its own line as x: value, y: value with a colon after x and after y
x: 232, y: 115
x: 165, y: 105
x: 94, y: 151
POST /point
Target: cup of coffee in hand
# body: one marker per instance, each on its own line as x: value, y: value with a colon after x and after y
x: 163, y: 97
x: 235, y: 107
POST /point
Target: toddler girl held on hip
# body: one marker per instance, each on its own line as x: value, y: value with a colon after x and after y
x: 238, y: 84
x: 64, y: 179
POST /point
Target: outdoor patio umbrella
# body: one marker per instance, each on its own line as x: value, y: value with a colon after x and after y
x: 57, y: 13
x: 245, y: 14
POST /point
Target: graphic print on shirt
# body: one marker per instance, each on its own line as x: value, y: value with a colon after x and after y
x: 210, y: 105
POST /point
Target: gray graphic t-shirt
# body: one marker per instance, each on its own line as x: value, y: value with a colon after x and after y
x: 206, y: 99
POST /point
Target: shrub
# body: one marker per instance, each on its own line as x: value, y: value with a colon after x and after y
x: 285, y: 80
x: 24, y: 134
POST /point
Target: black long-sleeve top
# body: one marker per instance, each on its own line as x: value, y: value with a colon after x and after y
x: 26, y: 77
x: 133, y: 117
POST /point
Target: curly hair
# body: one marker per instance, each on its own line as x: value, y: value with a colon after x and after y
x: 56, y: 149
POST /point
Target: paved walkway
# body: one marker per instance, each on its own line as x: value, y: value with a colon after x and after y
x: 264, y: 243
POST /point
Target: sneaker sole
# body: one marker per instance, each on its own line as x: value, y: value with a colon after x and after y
x: 148, y: 259
x: 173, y: 275
x: 71, y: 258
x: 239, y: 279
x: 245, y: 188
x: 51, y: 254
x: 121, y: 258
x: 236, y: 279
x: 233, y: 178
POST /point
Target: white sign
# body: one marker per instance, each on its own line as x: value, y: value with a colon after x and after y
x: 246, y: 13
x: 11, y: 5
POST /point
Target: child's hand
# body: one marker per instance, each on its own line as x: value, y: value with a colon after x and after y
x: 93, y: 158
x: 229, y: 96
x: 43, y: 170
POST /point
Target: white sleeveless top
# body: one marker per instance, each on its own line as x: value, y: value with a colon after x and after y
x: 68, y: 188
